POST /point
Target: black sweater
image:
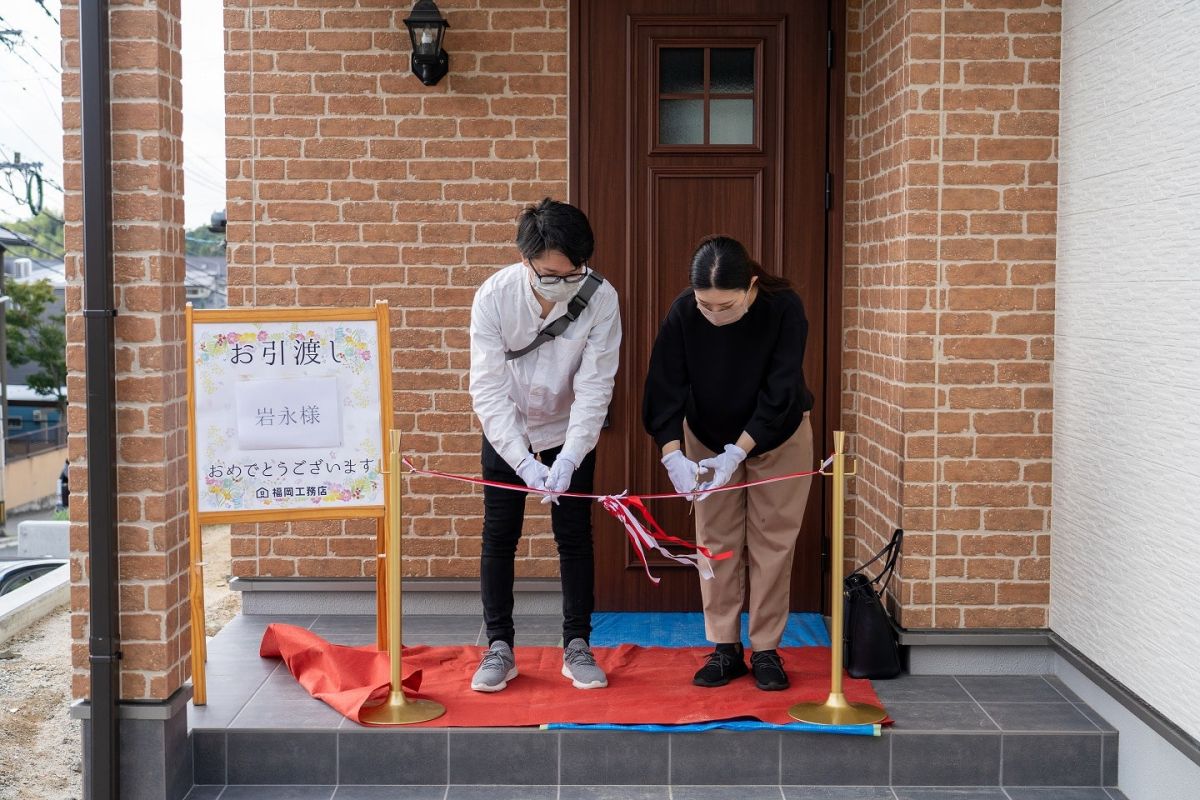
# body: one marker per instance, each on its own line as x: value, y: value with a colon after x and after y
x: 745, y: 376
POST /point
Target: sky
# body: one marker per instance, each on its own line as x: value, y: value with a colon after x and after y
x: 31, y: 105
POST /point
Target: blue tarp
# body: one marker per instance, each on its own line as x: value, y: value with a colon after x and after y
x: 686, y: 629
x: 727, y: 725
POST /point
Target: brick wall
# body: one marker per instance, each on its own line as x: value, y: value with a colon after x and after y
x: 350, y: 182
x: 147, y: 212
x: 951, y: 198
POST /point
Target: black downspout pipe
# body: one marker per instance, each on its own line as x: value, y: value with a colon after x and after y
x: 104, y: 646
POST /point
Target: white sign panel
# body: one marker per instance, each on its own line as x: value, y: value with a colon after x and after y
x: 280, y: 414
x: 287, y: 415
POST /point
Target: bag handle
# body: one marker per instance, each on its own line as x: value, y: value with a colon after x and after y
x: 890, y: 552
x: 574, y: 308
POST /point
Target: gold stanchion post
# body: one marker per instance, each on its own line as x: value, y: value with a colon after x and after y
x: 836, y: 710
x: 397, y: 709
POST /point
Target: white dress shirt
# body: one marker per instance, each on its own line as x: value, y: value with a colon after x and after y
x: 555, y: 395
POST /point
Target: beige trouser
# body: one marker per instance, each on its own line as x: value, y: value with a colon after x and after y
x: 763, y: 521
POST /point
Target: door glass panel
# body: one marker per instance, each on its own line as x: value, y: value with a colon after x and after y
x: 731, y: 122
x: 681, y: 121
x: 706, y: 95
x: 732, y: 70
x: 681, y: 70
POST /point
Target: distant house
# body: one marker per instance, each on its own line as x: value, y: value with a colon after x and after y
x: 30, y: 270
x: 29, y: 410
x: 205, y: 283
x: 34, y: 421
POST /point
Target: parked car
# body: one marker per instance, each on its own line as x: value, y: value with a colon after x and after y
x: 15, y: 574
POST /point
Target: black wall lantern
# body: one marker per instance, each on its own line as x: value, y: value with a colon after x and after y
x: 426, y: 26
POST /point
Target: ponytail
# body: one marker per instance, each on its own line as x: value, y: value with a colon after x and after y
x: 768, y: 282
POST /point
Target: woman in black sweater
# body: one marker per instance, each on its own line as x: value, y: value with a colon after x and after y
x: 726, y: 401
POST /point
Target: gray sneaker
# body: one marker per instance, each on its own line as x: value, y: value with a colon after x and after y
x: 496, y: 669
x: 580, y: 666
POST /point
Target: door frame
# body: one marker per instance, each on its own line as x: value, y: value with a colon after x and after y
x: 835, y: 166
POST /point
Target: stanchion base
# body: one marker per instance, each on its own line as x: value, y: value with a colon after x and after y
x: 837, y: 713
x: 404, y: 712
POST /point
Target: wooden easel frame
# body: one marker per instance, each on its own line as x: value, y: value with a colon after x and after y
x: 196, y: 519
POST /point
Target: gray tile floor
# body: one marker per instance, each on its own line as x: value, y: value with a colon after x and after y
x: 251, y: 698
x: 248, y: 692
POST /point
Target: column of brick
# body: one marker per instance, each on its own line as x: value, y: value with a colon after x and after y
x: 995, y: 311
x: 351, y: 182
x: 147, y: 212
x: 875, y: 196
x: 954, y: 306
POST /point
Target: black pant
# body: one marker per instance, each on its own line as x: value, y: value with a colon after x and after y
x: 503, y: 517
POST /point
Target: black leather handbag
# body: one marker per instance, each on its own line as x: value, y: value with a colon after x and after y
x: 871, y: 649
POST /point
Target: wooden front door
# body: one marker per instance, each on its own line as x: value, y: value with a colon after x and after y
x: 694, y: 118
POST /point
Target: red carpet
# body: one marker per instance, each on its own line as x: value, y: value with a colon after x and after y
x: 646, y: 685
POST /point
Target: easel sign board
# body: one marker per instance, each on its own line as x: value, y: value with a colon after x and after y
x: 287, y: 411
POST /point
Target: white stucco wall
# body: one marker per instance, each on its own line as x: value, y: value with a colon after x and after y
x: 1126, y: 544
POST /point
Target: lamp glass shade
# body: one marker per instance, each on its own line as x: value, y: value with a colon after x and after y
x: 427, y: 38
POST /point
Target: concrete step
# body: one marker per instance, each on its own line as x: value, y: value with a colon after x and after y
x: 1011, y: 734
x: 518, y: 756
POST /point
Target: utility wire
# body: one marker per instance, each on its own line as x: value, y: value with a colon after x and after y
x: 23, y: 39
x: 42, y: 4
x: 54, y: 160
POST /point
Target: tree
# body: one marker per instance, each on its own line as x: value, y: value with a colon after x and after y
x: 200, y: 241
x: 46, y: 231
x: 37, y: 337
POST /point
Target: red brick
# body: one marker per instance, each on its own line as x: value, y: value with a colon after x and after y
x: 994, y: 72
x: 1026, y: 22
x: 979, y: 99
x: 1014, y: 519
x: 985, y: 175
x: 975, y: 47
x: 948, y: 593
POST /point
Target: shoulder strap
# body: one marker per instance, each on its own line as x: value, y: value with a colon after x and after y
x: 574, y: 308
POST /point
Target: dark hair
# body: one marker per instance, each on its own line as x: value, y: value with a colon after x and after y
x: 721, y: 262
x: 551, y: 225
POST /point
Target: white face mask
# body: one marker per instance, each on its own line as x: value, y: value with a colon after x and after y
x: 559, y: 292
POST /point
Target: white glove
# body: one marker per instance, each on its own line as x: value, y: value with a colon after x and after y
x: 722, y: 467
x: 560, y: 478
x: 533, y: 472
x: 684, y: 473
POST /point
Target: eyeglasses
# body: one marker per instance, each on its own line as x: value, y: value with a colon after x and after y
x: 551, y: 280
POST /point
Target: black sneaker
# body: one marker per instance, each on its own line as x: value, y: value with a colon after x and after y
x: 768, y: 671
x: 723, y: 665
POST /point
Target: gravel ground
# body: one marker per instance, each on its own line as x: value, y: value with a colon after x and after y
x: 39, y: 745
x: 40, y: 750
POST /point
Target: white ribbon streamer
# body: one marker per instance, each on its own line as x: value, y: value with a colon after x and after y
x: 643, y: 540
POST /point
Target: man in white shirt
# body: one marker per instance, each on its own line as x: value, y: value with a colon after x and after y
x: 542, y: 410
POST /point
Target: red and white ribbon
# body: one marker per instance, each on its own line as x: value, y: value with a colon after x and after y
x: 643, y: 530
x: 621, y: 507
